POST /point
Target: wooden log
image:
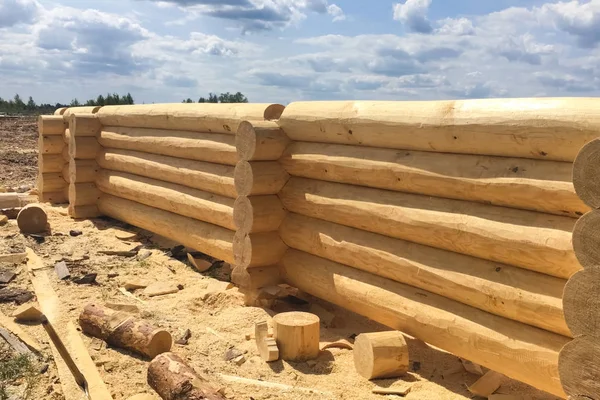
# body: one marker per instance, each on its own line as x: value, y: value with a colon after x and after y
x: 61, y: 196
x: 257, y: 249
x: 586, y: 174
x: 80, y: 110
x: 178, y: 199
x: 517, y: 350
x: 65, y: 173
x: 65, y: 154
x: 581, y: 302
x: 258, y: 213
x: 51, y: 182
x: 82, y: 171
x: 201, y: 236
x: 60, y: 111
x: 84, y: 125
x: 516, y: 293
x: 526, y: 239
x: 512, y: 182
x: 123, y: 330
x: 214, y: 118
x: 297, y: 335
x: 213, y: 178
x: 51, y: 144
x: 51, y: 125
x: 579, y: 368
x: 549, y: 128
x: 84, y: 212
x: 209, y: 147
x: 586, y: 235
x: 32, y: 219
x: 14, y: 200
x: 67, y: 136
x: 51, y: 163
x: 380, y: 355
x: 260, y: 141
x: 83, y: 194
x: 173, y: 379
x: 259, y: 178
x: 84, y: 148
x: 255, y: 278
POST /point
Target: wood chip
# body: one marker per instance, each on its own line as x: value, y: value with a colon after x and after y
x: 124, y: 235
x: 200, y: 264
x: 218, y: 286
x: 130, y: 308
x: 86, y: 279
x: 160, y: 289
x: 6, y: 276
x: 239, y: 360
x: 126, y: 293
x: 339, y: 344
x: 27, y: 312
x: 267, y: 346
x: 62, y: 271
x: 16, y: 295
x: 399, y: 389
x: 13, y: 258
x: 487, y: 384
x: 471, y: 367
x: 134, y: 284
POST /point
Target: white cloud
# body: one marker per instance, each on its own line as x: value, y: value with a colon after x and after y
x: 576, y: 18
x: 458, y: 27
x: 14, y: 12
x: 413, y: 14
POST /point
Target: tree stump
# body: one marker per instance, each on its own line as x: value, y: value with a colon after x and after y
x: 32, y: 219
x: 173, y: 379
x: 297, y: 335
x: 381, y: 355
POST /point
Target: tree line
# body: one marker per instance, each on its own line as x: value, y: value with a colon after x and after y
x: 16, y: 105
x: 222, y: 98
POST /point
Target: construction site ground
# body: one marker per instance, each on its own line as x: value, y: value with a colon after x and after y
x: 217, y: 322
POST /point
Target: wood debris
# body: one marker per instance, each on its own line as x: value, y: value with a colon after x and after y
x: 135, y: 283
x: 398, y: 389
x: 27, y: 312
x: 471, y: 367
x: 487, y: 384
x: 130, y: 308
x: 183, y: 340
x: 16, y: 295
x: 200, y: 264
x: 62, y: 271
x: 13, y: 258
x: 266, y: 345
x: 338, y: 344
x: 160, y: 289
x: 14, y: 342
x: 6, y: 276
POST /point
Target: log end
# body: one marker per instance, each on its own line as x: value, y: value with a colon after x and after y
x: 297, y: 335
x: 160, y: 342
x: 586, y: 174
x: 243, y: 214
x: 244, y: 178
x: 381, y: 355
x: 242, y: 249
x: 579, y: 369
x: 273, y: 112
x: 586, y: 236
x: 245, y: 141
x: 32, y: 219
x: 581, y: 303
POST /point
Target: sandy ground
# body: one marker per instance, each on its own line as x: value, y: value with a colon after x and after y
x: 217, y: 323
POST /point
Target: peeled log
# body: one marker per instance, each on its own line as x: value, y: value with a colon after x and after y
x: 83, y: 194
x: 255, y: 278
x: 51, y: 182
x: 60, y: 111
x: 540, y: 128
x: 171, y: 197
x: 257, y: 249
x: 51, y: 144
x: 205, y: 117
x: 51, y: 125
x: 259, y: 178
x: 83, y: 171
x: 526, y: 239
x: 515, y: 293
x: 55, y: 197
x: 173, y: 379
x: 122, y: 330
x: 517, y: 350
x: 380, y: 355
x: 80, y: 110
x: 582, y: 303
x: 214, y: 178
x: 201, y: 236
x: 86, y: 125
x: 586, y: 174
x: 586, y: 236
x: 579, y: 367
x: 512, y: 182
x: 297, y: 335
x: 258, y: 213
x: 32, y: 219
x: 260, y: 141
x: 67, y: 136
x: 210, y: 147
x: 84, y: 212
x: 84, y: 148
x: 51, y: 163
x: 16, y: 200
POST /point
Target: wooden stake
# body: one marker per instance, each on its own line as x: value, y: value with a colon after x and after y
x: 297, y: 335
x: 381, y: 355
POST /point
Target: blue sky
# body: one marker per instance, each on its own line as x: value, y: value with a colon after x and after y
x: 286, y: 50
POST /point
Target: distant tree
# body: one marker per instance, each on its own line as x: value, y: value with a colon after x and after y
x: 18, y: 103
x: 232, y: 98
x: 74, y: 103
x: 31, y: 104
x: 100, y: 101
x: 188, y: 100
x: 212, y: 98
x: 128, y: 99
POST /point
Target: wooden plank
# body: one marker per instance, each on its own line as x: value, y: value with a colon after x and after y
x: 16, y: 330
x: 14, y: 342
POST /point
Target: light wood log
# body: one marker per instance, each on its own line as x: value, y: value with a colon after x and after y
x: 259, y: 178
x: 213, y: 178
x: 257, y: 249
x: 32, y: 219
x: 216, y: 118
x: 579, y: 368
x: 201, y: 236
x: 586, y: 236
x: 586, y: 174
x: 260, y: 141
x: 51, y: 182
x: 65, y: 173
x: 548, y: 128
x: 83, y: 194
x: 82, y: 171
x: 209, y: 147
x: 65, y: 154
x: 51, y: 144
x: 380, y: 355
x: 173, y: 379
x: 258, y: 213
x: 84, y: 148
x: 50, y: 125
x: 84, y: 125
x: 80, y: 110
x: 255, y: 278
x: 171, y: 197
x: 526, y: 239
x: 122, y: 330
x: 297, y: 335
x: 515, y: 293
x: 512, y: 182
x: 517, y: 350
x: 84, y: 212
x: 581, y: 302
x: 60, y: 111
x: 58, y: 197
x: 67, y: 136
x: 51, y: 163
x: 14, y: 200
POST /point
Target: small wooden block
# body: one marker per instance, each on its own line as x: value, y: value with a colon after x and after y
x: 199, y: 264
x: 6, y: 276
x: 471, y: 367
x: 239, y: 360
x: 133, y: 284
x: 27, y: 312
x: 487, y: 384
x: 399, y: 389
x: 62, y: 271
x: 267, y: 347
x: 13, y: 258
x: 160, y: 289
x: 130, y: 308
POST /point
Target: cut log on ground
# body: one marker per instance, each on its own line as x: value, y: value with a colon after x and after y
x: 173, y: 379
x: 209, y: 147
x: 257, y: 178
x: 586, y: 236
x: 586, y: 174
x: 511, y: 292
x: 172, y: 197
x: 32, y: 219
x: 217, y: 118
x: 581, y: 302
x: 512, y: 182
x: 210, y: 239
x: 51, y: 125
x: 517, y: 350
x: 257, y: 249
x: 260, y: 141
x: 256, y: 214
x: 549, y: 128
x: 381, y: 355
x: 213, y: 178
x: 123, y: 330
x: 526, y: 239
x: 297, y: 335
x: 579, y: 368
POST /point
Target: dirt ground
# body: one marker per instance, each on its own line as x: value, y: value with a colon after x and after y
x: 217, y: 323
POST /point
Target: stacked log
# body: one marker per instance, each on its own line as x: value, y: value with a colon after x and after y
x: 52, y: 186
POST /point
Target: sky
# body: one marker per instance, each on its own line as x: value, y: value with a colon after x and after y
x: 287, y: 50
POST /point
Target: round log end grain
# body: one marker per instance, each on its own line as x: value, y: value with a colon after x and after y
x: 586, y: 236
x: 579, y: 368
x: 586, y: 174
x: 32, y: 219
x: 245, y: 141
x: 244, y: 178
x: 273, y: 111
x: 381, y: 355
x: 581, y: 302
x: 242, y: 249
x: 297, y: 335
x: 243, y: 215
